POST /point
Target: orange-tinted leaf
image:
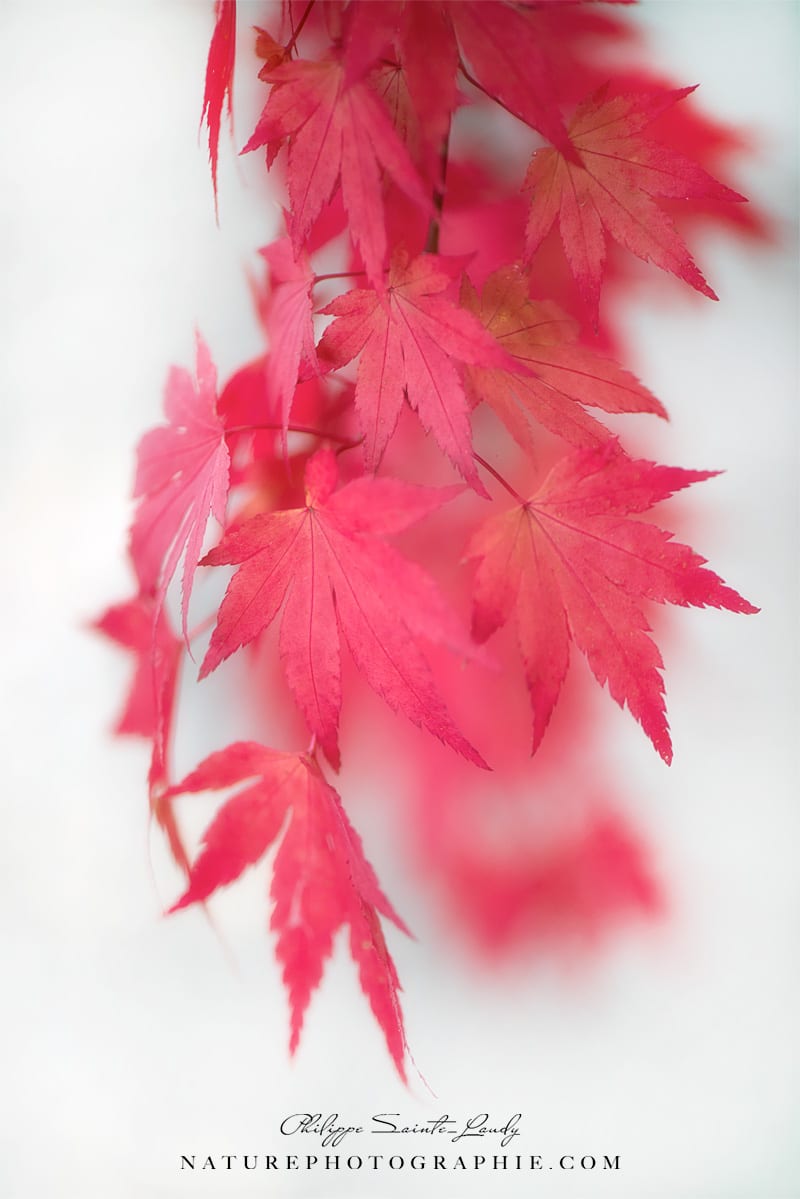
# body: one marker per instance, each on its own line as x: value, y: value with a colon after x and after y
x: 562, y: 375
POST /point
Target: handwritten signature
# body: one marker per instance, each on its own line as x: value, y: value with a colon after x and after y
x: 333, y: 1131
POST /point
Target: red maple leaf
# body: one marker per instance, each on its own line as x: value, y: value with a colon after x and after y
x: 500, y: 41
x: 415, y: 55
x: 288, y: 324
x: 141, y: 626
x: 610, y: 190
x: 570, y: 566
x: 562, y: 374
x: 336, y: 131
x: 370, y: 120
x: 577, y: 885
x: 131, y: 625
x: 328, y: 567
x: 370, y: 31
x: 502, y: 45
x: 321, y: 880
x: 408, y: 337
x: 181, y: 479
x: 429, y: 59
x: 219, y: 79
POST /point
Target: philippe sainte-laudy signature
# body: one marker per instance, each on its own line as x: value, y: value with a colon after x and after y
x: 332, y: 1130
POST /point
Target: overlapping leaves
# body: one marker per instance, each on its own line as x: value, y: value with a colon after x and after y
x: 366, y: 130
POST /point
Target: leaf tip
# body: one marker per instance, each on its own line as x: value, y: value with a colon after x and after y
x: 209, y: 663
x: 184, y: 902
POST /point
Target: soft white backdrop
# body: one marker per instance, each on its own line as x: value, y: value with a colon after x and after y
x: 128, y: 1040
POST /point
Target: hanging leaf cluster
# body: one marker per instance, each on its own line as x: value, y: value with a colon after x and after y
x: 414, y: 481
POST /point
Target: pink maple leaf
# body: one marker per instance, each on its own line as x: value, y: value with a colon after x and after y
x: 336, y: 132
x: 181, y: 479
x: 409, y: 338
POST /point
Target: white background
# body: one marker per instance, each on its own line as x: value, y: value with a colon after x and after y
x: 129, y: 1040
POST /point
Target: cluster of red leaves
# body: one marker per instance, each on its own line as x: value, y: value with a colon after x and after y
x: 451, y: 296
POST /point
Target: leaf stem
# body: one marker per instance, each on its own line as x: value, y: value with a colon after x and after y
x: 475, y: 83
x: 299, y: 29
x: 338, y: 275
x: 434, y: 229
x: 276, y: 427
x: 202, y: 627
x: 503, y: 482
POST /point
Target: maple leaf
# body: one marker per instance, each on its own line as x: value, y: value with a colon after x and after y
x: 408, y: 336
x: 181, y: 478
x: 420, y: 88
x: 429, y: 60
x: 219, y: 79
x: 142, y: 627
x: 135, y: 626
x: 610, y: 190
x: 328, y: 567
x: 327, y: 561
x: 562, y: 374
x: 571, y: 566
x: 321, y: 880
x: 270, y: 51
x: 579, y: 885
x: 370, y: 31
x: 289, y: 324
x: 337, y: 131
x: 500, y: 41
x: 502, y: 45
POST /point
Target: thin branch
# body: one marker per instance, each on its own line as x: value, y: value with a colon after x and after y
x: 349, y: 445
x: 471, y: 79
x: 299, y: 28
x: 276, y: 427
x: 434, y: 229
x: 503, y: 482
x: 338, y: 275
